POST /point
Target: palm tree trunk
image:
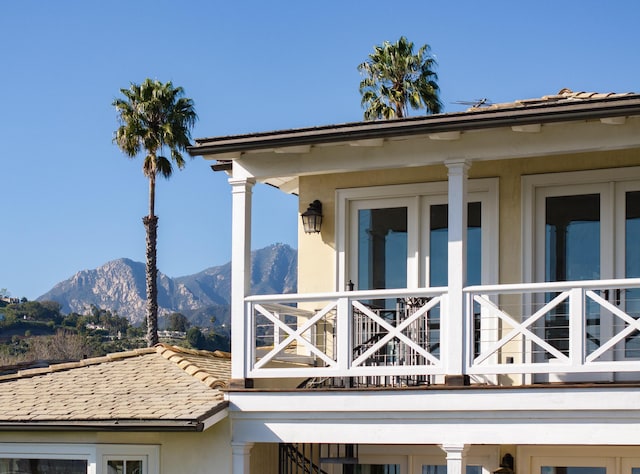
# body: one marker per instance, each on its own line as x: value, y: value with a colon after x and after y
x: 151, y: 226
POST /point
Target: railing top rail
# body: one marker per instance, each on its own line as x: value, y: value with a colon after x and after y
x: 555, y: 286
x: 356, y: 295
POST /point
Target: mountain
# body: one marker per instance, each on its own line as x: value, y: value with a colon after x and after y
x: 119, y: 286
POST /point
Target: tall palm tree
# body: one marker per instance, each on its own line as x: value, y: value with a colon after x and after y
x: 156, y: 118
x: 396, y: 78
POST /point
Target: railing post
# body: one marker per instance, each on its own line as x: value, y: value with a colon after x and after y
x: 343, y: 329
x: 454, y: 320
x: 577, y: 327
x: 241, y: 191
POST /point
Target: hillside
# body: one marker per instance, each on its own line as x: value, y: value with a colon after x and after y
x: 119, y: 286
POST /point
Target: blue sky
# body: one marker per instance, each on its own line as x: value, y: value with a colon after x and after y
x: 70, y: 200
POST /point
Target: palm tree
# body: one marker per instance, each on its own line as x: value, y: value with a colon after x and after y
x: 396, y: 78
x: 156, y: 118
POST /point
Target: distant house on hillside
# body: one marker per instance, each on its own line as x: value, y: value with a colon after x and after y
x: 493, y: 323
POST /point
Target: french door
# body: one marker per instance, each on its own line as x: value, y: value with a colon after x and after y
x: 590, y: 231
x: 402, y: 242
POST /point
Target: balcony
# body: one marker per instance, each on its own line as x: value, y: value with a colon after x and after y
x: 511, y: 335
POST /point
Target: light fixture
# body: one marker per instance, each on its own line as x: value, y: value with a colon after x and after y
x: 312, y: 218
x: 506, y: 466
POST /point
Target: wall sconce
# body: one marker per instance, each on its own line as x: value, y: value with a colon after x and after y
x: 506, y: 465
x: 312, y: 218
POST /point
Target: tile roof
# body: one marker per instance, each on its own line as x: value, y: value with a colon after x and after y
x: 563, y: 96
x: 164, y: 387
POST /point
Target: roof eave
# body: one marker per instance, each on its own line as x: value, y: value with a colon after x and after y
x: 190, y: 425
x: 538, y: 114
x: 105, y: 425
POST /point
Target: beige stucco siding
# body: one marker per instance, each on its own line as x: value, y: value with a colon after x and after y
x: 196, y: 453
x: 317, y: 258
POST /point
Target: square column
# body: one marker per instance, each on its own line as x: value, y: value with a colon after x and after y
x: 453, y: 320
x: 241, y: 458
x: 241, y: 193
x: 456, y: 462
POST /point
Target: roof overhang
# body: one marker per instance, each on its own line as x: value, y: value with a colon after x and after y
x: 432, y: 124
x: 517, y: 130
x: 198, y: 424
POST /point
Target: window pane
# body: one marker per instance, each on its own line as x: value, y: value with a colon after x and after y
x: 115, y: 467
x: 134, y: 467
x: 442, y: 469
x: 377, y: 469
x: 124, y: 467
x: 439, y: 245
x: 572, y: 252
x: 43, y: 466
x: 632, y: 267
x: 382, y: 248
x: 572, y: 470
x: 432, y: 469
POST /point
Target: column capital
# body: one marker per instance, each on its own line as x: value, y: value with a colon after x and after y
x: 238, y: 182
x: 241, y: 448
x: 457, y: 165
x: 454, y: 450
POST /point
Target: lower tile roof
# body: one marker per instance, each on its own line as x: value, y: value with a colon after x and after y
x: 159, y: 388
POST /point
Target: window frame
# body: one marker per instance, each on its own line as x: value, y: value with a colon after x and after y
x: 96, y: 455
x: 418, y: 196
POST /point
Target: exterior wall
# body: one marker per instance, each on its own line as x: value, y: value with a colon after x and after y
x: 264, y: 458
x: 208, y: 452
x: 316, y: 256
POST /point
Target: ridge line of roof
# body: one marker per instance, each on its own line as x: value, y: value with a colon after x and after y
x: 112, y: 357
x: 173, y: 354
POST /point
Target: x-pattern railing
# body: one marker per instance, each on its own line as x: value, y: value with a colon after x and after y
x: 396, y: 331
x: 519, y: 328
x: 306, y: 341
x: 518, y: 334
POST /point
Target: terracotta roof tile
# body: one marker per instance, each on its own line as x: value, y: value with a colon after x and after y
x: 563, y: 96
x: 164, y: 383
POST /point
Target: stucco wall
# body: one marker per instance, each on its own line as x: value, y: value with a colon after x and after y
x: 208, y: 452
x: 317, y: 257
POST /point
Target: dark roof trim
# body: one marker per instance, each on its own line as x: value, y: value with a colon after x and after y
x: 565, y: 111
x: 104, y: 425
x: 137, y: 425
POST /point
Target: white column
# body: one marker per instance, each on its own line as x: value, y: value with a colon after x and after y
x: 241, y: 192
x: 241, y: 459
x: 457, y: 267
x: 456, y: 463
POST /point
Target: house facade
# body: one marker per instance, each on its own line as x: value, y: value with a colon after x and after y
x: 469, y: 304
x: 147, y: 411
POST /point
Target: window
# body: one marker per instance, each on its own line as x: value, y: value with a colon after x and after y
x: 396, y: 236
x: 34, y: 465
x: 26, y: 458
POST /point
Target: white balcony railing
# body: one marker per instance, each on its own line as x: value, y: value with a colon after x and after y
x: 396, y: 337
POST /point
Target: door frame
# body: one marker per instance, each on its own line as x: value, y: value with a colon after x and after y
x: 484, y: 190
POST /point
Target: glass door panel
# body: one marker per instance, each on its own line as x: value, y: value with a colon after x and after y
x: 572, y: 253
x: 438, y: 264
x: 631, y: 297
x: 572, y: 470
x: 438, y: 244
x: 382, y: 248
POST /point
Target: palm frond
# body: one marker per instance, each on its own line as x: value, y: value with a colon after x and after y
x: 395, y: 78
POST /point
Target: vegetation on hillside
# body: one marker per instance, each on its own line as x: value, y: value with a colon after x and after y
x: 37, y: 331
